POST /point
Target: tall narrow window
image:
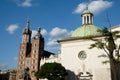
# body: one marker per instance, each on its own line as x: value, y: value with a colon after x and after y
x: 87, y: 19
x: 20, y: 67
x: 84, y: 19
x: 33, y: 67
x: 91, y: 19
x: 34, y: 44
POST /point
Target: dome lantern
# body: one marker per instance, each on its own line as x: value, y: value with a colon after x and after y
x: 87, y: 17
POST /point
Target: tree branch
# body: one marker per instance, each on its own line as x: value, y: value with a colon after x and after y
x: 106, y: 51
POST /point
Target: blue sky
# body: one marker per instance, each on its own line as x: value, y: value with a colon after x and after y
x: 57, y: 18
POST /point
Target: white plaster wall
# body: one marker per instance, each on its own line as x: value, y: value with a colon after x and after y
x: 93, y: 64
x: 116, y: 28
x: 51, y: 59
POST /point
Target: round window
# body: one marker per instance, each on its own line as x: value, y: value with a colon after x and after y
x: 82, y: 55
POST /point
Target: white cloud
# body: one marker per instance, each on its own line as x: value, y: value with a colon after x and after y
x: 43, y: 32
x: 52, y: 42
x: 98, y: 6
x: 94, y: 6
x: 25, y: 3
x: 34, y: 32
x: 12, y: 28
x: 57, y: 34
x: 80, y: 7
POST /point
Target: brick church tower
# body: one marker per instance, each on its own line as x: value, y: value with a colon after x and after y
x: 30, y: 54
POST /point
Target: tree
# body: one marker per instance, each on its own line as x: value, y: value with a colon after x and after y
x: 51, y: 71
x: 111, y: 49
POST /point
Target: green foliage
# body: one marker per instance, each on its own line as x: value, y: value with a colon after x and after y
x: 98, y: 43
x: 107, y: 43
x: 52, y: 71
x: 105, y: 62
x: 104, y: 31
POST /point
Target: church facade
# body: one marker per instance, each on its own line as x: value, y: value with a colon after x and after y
x: 81, y: 62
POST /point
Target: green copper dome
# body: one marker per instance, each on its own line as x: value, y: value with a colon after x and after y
x: 86, y: 12
x: 86, y: 31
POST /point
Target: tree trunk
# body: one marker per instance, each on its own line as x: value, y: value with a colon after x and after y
x: 114, y: 70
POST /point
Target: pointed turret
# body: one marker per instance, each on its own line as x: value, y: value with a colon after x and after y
x: 38, y: 35
x: 39, y: 32
x: 26, y: 33
x: 27, y: 30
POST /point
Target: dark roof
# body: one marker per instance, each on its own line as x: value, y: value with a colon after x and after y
x: 47, y: 54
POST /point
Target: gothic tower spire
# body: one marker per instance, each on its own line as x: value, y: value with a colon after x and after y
x: 39, y: 32
x: 27, y: 33
x: 27, y: 30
